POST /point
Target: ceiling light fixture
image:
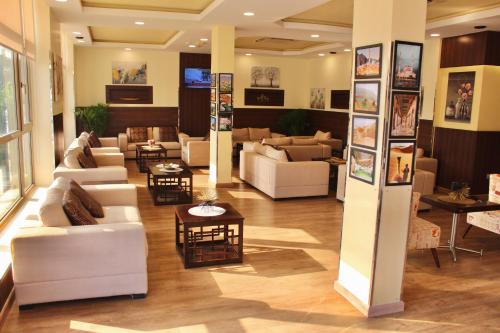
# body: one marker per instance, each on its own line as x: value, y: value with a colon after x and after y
x: 81, y: 41
x: 321, y: 54
x: 249, y: 13
x: 314, y: 36
x: 347, y: 50
x: 191, y: 45
x: 128, y: 49
x: 139, y: 22
x: 248, y: 54
x: 77, y: 33
x: 61, y: 0
x: 204, y: 39
x: 435, y: 35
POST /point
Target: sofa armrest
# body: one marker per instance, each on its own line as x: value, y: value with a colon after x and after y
x: 427, y: 163
x: 42, y: 254
x: 185, y: 141
x: 277, y: 135
x: 109, y: 142
x: 109, y: 159
x: 336, y: 144
x: 105, y: 174
x: 113, y: 194
x: 182, y: 137
x: 123, y: 142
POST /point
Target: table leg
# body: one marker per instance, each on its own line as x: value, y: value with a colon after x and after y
x: 186, y: 246
x: 451, y: 243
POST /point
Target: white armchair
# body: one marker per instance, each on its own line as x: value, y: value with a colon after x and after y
x: 195, y: 150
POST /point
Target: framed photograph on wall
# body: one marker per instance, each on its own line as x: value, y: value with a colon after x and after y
x: 369, y: 62
x: 225, y: 102
x: 400, y: 163
x: 213, y: 80
x: 213, y: 109
x: 366, y: 97
x: 404, y: 114
x: 213, y: 123
x: 407, y: 65
x: 460, y: 96
x: 225, y: 82
x: 364, y: 131
x: 362, y: 165
x: 226, y: 121
x: 213, y: 95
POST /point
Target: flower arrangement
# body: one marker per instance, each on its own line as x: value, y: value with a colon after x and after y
x: 207, y: 198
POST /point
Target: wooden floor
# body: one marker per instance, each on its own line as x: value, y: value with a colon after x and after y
x: 286, y: 281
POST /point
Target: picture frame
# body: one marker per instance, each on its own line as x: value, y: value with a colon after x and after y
x: 364, y: 132
x: 225, y: 82
x: 213, y: 95
x: 362, y: 165
x: 400, y: 162
x: 366, y: 97
x: 225, y: 102
x: 213, y: 80
x: 213, y: 109
x: 213, y: 123
x: 460, y: 96
x: 407, y: 65
x: 225, y: 121
x: 368, y: 61
x: 404, y: 114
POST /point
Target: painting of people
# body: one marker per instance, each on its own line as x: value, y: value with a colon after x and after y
x: 400, y: 162
x: 407, y: 65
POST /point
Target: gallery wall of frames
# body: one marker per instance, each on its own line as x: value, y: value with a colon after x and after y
x: 221, y: 102
x: 404, y: 94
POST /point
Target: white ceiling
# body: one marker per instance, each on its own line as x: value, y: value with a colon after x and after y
x: 266, y: 22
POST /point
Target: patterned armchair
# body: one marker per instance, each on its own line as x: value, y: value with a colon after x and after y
x: 423, y: 234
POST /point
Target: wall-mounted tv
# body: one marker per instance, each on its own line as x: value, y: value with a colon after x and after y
x: 197, y: 77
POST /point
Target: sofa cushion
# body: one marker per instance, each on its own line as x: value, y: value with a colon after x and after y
x: 166, y: 134
x: 137, y: 134
x: 92, y: 205
x: 85, y: 161
x: 51, y: 212
x: 414, y: 204
x: 170, y: 145
x: 275, y: 154
x: 287, y: 153
x: 257, y: 134
x: 88, y: 152
x: 93, y: 140
x: 71, y: 158
x: 277, y: 141
x: 120, y: 214
x: 304, y: 142
x: 132, y: 146
x: 240, y: 134
x: 322, y: 135
x: 74, y: 209
x: 423, y: 234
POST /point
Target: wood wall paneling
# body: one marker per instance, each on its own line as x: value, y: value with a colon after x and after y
x: 264, y: 97
x: 424, y: 136
x: 194, y: 104
x: 129, y: 94
x: 327, y: 121
x: 58, y: 138
x: 6, y: 285
x: 482, y: 48
x: 122, y: 117
x: 260, y: 118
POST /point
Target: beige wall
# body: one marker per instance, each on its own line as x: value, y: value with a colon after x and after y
x: 93, y: 72
x: 430, y: 68
x: 55, y: 48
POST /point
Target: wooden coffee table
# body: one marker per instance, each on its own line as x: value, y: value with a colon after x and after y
x: 146, y: 153
x: 169, y: 188
x: 206, y: 241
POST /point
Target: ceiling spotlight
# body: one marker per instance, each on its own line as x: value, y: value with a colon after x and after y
x: 478, y: 27
x: 139, y: 22
x: 81, y: 41
x: 128, y: 49
x: 61, y: 0
x: 347, y: 50
x: 191, y: 45
x: 314, y: 36
x: 248, y: 54
x: 204, y: 39
x: 435, y: 35
x: 321, y: 54
x: 249, y: 13
x: 77, y: 33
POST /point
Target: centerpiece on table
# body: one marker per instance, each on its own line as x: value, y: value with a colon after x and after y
x: 207, y: 206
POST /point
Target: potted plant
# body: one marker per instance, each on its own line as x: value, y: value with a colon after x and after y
x: 93, y: 118
x: 294, y: 123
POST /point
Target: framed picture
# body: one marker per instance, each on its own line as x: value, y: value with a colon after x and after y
x: 369, y: 62
x: 265, y: 77
x: 362, y: 165
x: 225, y: 102
x: 225, y: 82
x: 213, y: 95
x: 213, y: 109
x: 213, y: 123
x: 407, y: 65
x: 129, y: 72
x: 460, y: 96
x: 404, y: 114
x: 364, y: 131
x: 317, y: 98
x: 366, y: 96
x: 400, y: 163
x: 213, y: 80
x: 226, y: 121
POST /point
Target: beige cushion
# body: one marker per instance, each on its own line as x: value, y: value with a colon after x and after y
x: 119, y: 214
x: 76, y: 212
x: 275, y: 154
x: 305, y: 142
x: 170, y: 145
x: 259, y: 148
x: 257, y: 134
x: 322, y: 135
x: 132, y: 146
x: 277, y: 141
x: 51, y: 212
x: 71, y: 158
x: 240, y: 134
x: 423, y: 234
x: 419, y: 153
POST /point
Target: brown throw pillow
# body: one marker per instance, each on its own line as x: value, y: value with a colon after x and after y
x: 94, y: 141
x: 85, y: 161
x: 168, y: 134
x: 91, y: 204
x: 88, y: 152
x: 76, y: 212
x: 138, y: 134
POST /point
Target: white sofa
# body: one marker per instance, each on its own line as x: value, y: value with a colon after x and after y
x: 279, y: 178
x: 58, y: 261
x: 301, y: 149
x: 195, y: 151
x: 128, y: 148
x: 109, y: 145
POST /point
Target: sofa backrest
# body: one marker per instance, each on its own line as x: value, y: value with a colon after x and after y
x: 51, y: 212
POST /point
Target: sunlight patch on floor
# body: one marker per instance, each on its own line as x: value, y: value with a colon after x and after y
x: 245, y: 195
x: 96, y: 328
x: 279, y: 234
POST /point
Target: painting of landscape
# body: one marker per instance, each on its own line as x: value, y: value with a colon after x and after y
x: 362, y: 165
x: 364, y: 131
x: 400, y: 164
x: 129, y: 72
x: 366, y: 96
x: 368, y: 61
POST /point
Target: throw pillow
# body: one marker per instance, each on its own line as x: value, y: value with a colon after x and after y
x: 287, y: 153
x: 240, y: 134
x: 71, y: 158
x: 137, y: 134
x: 275, y: 154
x: 257, y: 134
x: 91, y: 204
x: 88, y: 152
x: 322, y: 135
x: 76, y: 212
x: 85, y: 161
x: 168, y: 134
x: 304, y: 142
x: 94, y: 141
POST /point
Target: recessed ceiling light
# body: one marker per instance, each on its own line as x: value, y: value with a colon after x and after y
x: 61, y: 0
x: 249, y: 13
x: 191, y: 45
x: 248, y: 54
x: 81, y: 41
x: 347, y: 50
x: 77, y: 33
x: 139, y: 22
x: 128, y: 49
x: 321, y: 54
x: 204, y: 39
x: 435, y: 35
x: 314, y: 36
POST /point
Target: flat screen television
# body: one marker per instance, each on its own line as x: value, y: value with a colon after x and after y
x: 197, y: 78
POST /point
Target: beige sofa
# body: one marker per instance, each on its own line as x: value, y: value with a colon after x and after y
x: 57, y: 261
x: 326, y: 139
x: 195, y: 151
x: 268, y: 170
x: 301, y: 149
x: 425, y: 176
x: 128, y: 148
x: 109, y: 145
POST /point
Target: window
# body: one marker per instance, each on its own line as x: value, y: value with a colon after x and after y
x: 8, y: 113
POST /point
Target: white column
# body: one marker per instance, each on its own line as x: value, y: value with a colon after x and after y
x: 67, y: 50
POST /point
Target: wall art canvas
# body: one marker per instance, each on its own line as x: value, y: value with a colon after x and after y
x: 460, y: 96
x: 317, y: 98
x: 213, y: 123
x: 366, y: 96
x: 58, y: 78
x: 404, y: 114
x: 364, y: 131
x: 265, y: 77
x: 407, y: 65
x: 362, y: 165
x: 213, y: 109
x: 225, y: 102
x: 129, y: 72
x: 213, y: 80
x: 225, y: 82
x: 213, y: 95
x: 400, y: 162
x: 368, y: 61
x: 226, y: 121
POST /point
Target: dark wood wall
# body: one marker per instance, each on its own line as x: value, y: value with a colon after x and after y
x: 135, y: 116
x: 194, y: 104
x: 58, y: 138
x: 6, y: 286
x: 425, y: 135
x: 482, y: 48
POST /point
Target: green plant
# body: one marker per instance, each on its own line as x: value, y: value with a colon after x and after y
x: 93, y: 118
x: 294, y: 122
